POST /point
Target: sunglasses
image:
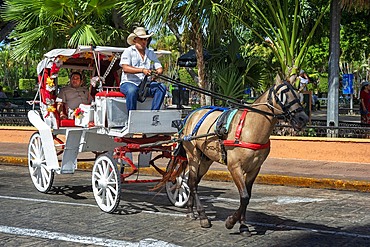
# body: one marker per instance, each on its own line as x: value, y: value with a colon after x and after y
x: 145, y: 39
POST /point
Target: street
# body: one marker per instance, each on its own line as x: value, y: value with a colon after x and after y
x: 278, y: 215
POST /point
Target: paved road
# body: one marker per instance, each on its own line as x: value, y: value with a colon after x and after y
x: 278, y: 216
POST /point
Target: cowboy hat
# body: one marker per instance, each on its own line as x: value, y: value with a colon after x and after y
x: 138, y: 32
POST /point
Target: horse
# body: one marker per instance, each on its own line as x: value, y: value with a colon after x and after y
x: 243, y: 147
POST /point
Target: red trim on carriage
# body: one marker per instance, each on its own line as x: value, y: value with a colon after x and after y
x: 110, y: 94
x: 67, y: 123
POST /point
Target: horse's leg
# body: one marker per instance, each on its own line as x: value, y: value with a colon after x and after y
x: 197, y: 169
x: 204, y: 221
x: 251, y: 177
x: 238, y: 176
x: 193, y: 167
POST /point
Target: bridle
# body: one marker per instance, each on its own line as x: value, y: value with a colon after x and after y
x: 281, y: 97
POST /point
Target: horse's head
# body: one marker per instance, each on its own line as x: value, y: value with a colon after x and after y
x: 287, y: 100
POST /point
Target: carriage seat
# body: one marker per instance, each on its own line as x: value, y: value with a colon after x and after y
x: 72, y: 122
x: 110, y: 94
x: 67, y: 123
x: 105, y: 94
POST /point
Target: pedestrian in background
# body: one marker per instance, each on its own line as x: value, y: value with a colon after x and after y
x: 365, y: 103
x: 303, y: 82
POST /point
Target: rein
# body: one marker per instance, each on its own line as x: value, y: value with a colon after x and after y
x: 280, y: 99
x: 219, y: 96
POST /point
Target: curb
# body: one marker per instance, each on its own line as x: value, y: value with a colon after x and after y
x: 224, y: 176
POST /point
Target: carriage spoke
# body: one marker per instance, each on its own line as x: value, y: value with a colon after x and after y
x: 112, y: 189
x: 100, y: 170
x: 109, y: 197
x: 44, y: 175
x: 33, y: 155
x: 176, y: 193
x: 97, y: 176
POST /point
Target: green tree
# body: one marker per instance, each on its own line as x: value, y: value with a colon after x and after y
x: 43, y: 25
x: 286, y: 26
x: 197, y: 19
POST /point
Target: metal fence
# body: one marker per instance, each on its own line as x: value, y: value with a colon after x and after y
x: 15, y: 116
x: 318, y: 128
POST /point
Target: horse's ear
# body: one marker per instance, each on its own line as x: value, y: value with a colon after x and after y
x: 278, y: 79
x: 292, y: 78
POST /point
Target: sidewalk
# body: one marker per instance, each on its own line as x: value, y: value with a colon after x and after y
x: 277, y: 171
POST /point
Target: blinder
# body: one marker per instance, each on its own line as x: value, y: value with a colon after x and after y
x: 282, y: 99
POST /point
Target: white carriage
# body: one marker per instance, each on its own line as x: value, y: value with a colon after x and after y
x: 104, y: 127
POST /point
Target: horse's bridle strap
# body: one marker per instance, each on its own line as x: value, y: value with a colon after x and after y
x: 253, y: 146
x: 240, y: 125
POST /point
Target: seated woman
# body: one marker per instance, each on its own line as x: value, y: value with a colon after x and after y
x: 71, y: 96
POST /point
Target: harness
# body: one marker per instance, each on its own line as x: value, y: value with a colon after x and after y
x: 237, y: 143
x: 222, y: 126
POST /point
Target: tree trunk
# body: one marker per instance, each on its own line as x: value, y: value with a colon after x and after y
x: 334, y: 54
x: 198, y: 44
x: 172, y: 26
x: 6, y: 29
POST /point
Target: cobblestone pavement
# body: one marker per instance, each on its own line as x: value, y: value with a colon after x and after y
x: 278, y: 216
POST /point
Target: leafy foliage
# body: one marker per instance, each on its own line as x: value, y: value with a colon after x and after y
x: 46, y: 24
x: 286, y: 26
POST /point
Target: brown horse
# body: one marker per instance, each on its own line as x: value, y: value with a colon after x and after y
x: 243, y: 148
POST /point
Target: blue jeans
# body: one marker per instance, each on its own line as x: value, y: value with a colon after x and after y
x: 157, y: 91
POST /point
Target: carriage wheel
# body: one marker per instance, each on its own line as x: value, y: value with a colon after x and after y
x: 106, y: 183
x: 178, y: 191
x: 41, y: 176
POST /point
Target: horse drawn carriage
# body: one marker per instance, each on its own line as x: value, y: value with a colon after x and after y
x: 237, y: 137
x: 104, y: 127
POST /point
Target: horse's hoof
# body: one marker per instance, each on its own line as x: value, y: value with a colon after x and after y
x: 244, y: 230
x: 205, y: 223
x: 228, y: 224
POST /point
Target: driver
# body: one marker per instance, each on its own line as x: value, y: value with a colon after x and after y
x: 138, y: 61
x: 71, y: 96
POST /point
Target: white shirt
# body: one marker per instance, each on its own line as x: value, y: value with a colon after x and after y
x: 303, y: 83
x: 131, y: 56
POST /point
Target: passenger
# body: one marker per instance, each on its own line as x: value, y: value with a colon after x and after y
x: 138, y: 61
x: 71, y: 96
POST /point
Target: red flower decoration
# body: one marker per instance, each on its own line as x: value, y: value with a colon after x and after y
x: 78, y: 112
x: 54, y: 69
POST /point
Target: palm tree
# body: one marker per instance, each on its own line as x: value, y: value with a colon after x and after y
x: 196, y: 18
x: 48, y: 24
x: 287, y: 27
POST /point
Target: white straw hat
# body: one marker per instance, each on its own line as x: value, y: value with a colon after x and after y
x: 138, y: 32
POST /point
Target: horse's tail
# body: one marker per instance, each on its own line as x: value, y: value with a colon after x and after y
x: 176, y: 167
